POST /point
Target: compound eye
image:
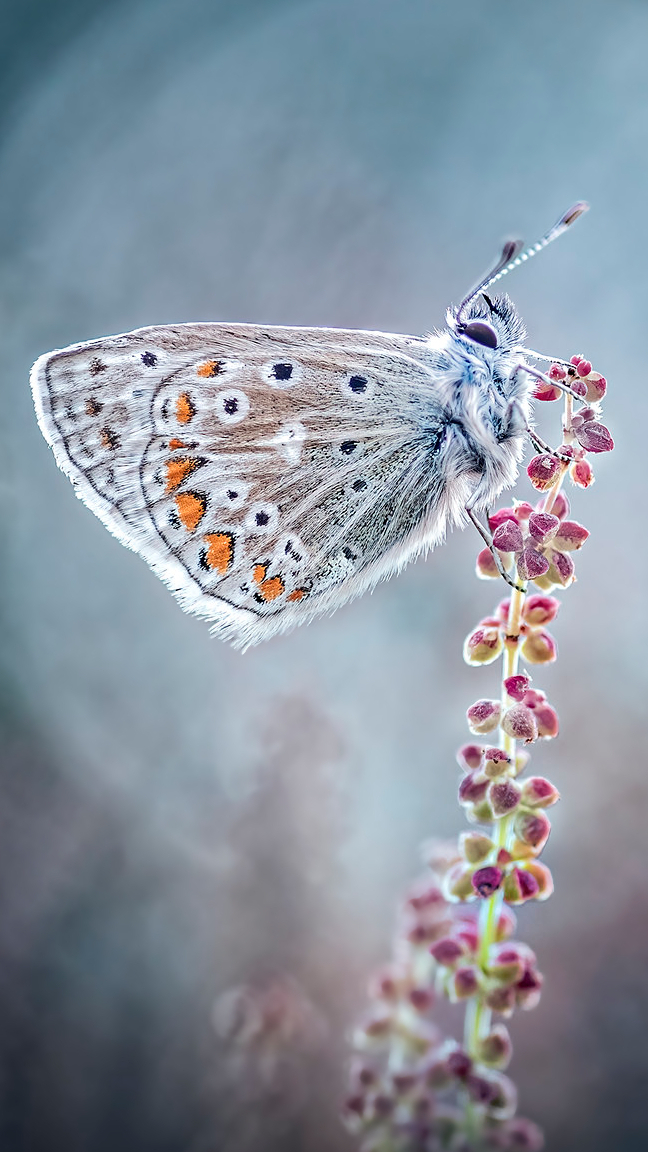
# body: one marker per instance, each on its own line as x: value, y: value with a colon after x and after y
x: 480, y: 332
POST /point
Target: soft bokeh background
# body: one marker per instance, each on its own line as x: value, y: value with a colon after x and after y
x: 176, y: 818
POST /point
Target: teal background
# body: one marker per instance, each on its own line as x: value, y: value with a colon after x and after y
x: 175, y: 817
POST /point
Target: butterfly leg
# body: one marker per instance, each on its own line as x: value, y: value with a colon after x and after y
x: 538, y: 443
x: 488, y: 540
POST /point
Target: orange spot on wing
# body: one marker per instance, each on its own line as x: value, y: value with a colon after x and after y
x: 191, y: 508
x: 173, y: 444
x: 185, y: 410
x: 220, y: 551
x: 209, y: 368
x: 178, y: 470
x: 259, y: 572
x: 298, y: 594
x: 270, y: 589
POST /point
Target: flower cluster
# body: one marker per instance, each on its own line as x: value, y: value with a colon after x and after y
x: 412, y: 1089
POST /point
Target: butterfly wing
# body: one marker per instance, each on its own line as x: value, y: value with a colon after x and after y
x: 266, y: 474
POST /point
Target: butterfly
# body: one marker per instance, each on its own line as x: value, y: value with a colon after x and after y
x: 269, y: 474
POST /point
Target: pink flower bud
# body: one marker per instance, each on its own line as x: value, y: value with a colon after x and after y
x: 486, y: 881
x: 465, y: 983
x: 496, y: 763
x: 421, y: 999
x: 521, y: 1135
x: 544, y: 391
x: 486, y: 567
x: 542, y: 471
x: 501, y: 1000
x: 472, y: 788
x: 578, y: 386
x: 447, y: 951
x: 475, y: 846
x: 531, y: 564
x: 519, y: 886
x: 581, y: 473
x: 542, y: 878
x: 596, y: 387
x: 538, y: 792
x: 570, y: 536
x: 533, y: 829
x: 576, y: 359
x: 516, y: 686
x: 519, y: 722
x: 457, y: 884
x: 594, y: 437
x: 459, y: 1064
x: 540, y: 610
x: 495, y: 1049
x: 503, y: 1099
x: 507, y: 537
x: 523, y: 510
x: 560, y: 568
x: 507, y: 965
x: 483, y: 646
x: 557, y: 372
x: 542, y: 526
x: 501, y: 516
x: 560, y: 506
x: 469, y: 757
x: 504, y: 796
x: 547, y: 721
x: 505, y: 926
x: 483, y: 716
x: 539, y: 647
x: 528, y: 989
x: 583, y: 368
x: 584, y: 414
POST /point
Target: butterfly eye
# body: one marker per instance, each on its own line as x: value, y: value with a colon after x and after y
x: 480, y: 332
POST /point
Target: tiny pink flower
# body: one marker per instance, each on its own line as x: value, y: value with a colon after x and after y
x: 594, y: 437
x: 547, y: 721
x: 540, y: 609
x: 539, y: 647
x: 560, y: 506
x: 543, y: 526
x: 542, y: 471
x: 543, y: 391
x: 538, y: 792
x: 504, y: 796
x: 465, y: 983
x: 501, y: 516
x: 531, y: 563
x: 596, y: 387
x: 519, y: 722
x: 486, y: 881
x: 560, y: 568
x: 581, y: 473
x: 516, y: 686
x: 570, y: 536
x: 469, y: 757
x: 472, y: 789
x: 583, y: 368
x: 495, y: 1049
x: 486, y: 567
x: 483, y: 716
x: 533, y: 829
x: 483, y: 646
x: 507, y: 537
x: 447, y: 951
x: 519, y: 886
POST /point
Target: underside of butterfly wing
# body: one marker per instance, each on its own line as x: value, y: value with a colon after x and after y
x: 266, y: 474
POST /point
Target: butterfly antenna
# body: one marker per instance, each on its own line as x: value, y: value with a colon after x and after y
x: 512, y: 255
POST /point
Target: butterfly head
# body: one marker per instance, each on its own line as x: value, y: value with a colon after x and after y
x: 490, y: 323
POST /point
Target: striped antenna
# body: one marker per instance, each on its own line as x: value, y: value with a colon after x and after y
x: 512, y: 256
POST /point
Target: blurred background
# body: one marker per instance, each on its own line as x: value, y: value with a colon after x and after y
x: 177, y: 819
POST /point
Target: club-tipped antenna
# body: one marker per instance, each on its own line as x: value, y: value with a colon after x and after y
x: 512, y: 255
